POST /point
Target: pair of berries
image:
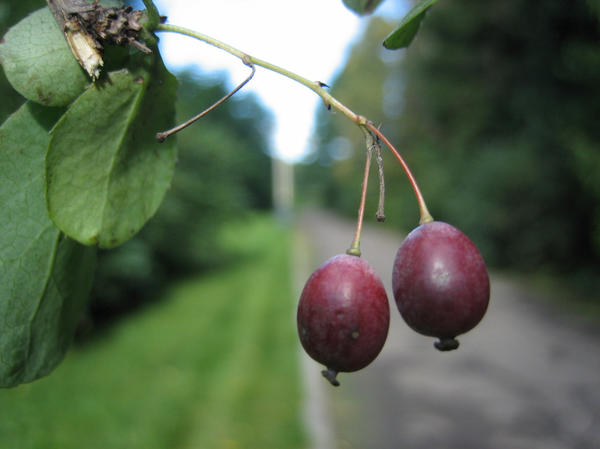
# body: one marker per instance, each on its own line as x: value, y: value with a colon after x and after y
x: 440, y: 284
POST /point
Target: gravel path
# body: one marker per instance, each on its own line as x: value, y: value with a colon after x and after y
x: 525, y: 378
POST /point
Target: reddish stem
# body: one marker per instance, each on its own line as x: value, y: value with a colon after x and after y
x: 425, y: 215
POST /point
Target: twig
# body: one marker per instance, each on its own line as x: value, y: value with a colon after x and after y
x: 328, y: 99
x: 315, y: 86
x: 162, y: 136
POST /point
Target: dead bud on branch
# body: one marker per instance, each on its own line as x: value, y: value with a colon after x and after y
x: 88, y: 27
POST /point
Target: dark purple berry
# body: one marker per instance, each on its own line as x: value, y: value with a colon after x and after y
x: 440, y: 283
x: 343, y: 315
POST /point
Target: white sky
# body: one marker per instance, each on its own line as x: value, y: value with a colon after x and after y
x: 309, y: 37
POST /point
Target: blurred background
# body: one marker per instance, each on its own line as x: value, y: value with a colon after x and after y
x: 495, y: 109
x: 189, y: 339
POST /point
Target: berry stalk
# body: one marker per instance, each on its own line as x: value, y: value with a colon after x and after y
x: 355, y: 248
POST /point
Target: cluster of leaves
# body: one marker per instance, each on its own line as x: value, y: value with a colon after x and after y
x: 495, y: 114
x: 81, y: 169
x: 79, y: 166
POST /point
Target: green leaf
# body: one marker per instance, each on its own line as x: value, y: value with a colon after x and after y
x: 406, y: 31
x: 45, y: 277
x: 38, y: 62
x: 362, y: 6
x: 106, y: 173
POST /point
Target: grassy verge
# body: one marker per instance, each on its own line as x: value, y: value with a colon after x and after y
x: 214, y: 365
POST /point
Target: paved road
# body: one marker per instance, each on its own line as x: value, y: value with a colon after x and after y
x: 525, y: 378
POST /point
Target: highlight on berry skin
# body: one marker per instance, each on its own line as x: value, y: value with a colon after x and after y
x: 440, y: 283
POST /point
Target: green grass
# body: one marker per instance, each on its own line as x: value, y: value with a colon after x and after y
x: 214, y: 365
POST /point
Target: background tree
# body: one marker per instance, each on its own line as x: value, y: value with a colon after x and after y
x: 494, y: 106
